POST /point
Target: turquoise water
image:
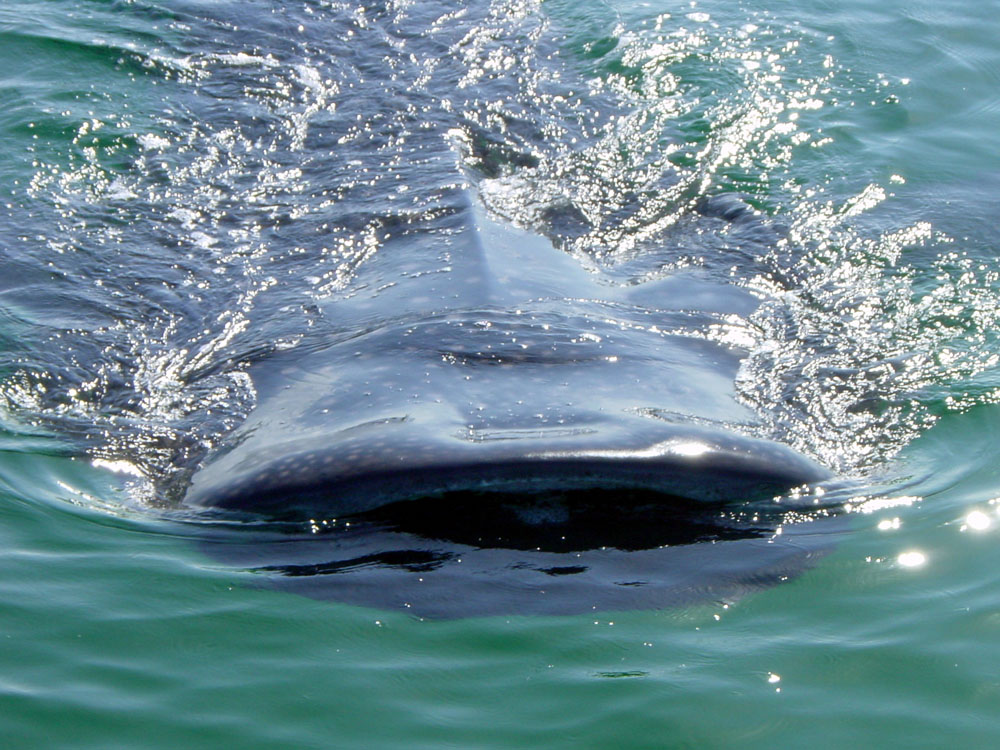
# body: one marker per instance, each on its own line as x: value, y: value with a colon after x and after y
x: 160, y: 193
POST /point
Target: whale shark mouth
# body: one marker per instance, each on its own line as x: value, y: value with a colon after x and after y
x: 557, y: 506
x: 569, y: 520
x: 536, y: 535
x: 687, y: 487
x: 398, y: 463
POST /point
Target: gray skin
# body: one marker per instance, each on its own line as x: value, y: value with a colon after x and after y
x: 512, y: 369
x: 492, y: 428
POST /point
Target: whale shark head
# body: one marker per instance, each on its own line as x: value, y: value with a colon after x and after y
x: 512, y: 370
x: 504, y: 404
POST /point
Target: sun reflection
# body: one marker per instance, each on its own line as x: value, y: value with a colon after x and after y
x: 119, y: 467
x: 865, y: 504
x: 912, y: 559
x: 976, y: 520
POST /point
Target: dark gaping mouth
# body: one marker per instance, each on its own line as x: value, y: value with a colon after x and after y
x: 623, y: 518
x: 476, y: 552
x: 560, y: 531
x: 554, y: 522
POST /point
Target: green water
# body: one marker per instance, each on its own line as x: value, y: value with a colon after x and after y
x: 117, y: 636
x: 117, y: 631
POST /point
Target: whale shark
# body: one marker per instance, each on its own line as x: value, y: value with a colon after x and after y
x: 495, y: 428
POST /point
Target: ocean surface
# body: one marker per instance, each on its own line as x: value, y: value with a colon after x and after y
x: 188, y: 187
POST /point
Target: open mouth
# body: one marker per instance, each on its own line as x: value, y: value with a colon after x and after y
x: 542, y: 537
x: 397, y: 519
x: 569, y: 520
x: 560, y: 505
x: 475, y: 553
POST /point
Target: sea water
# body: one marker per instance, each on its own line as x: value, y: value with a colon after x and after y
x: 190, y: 186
